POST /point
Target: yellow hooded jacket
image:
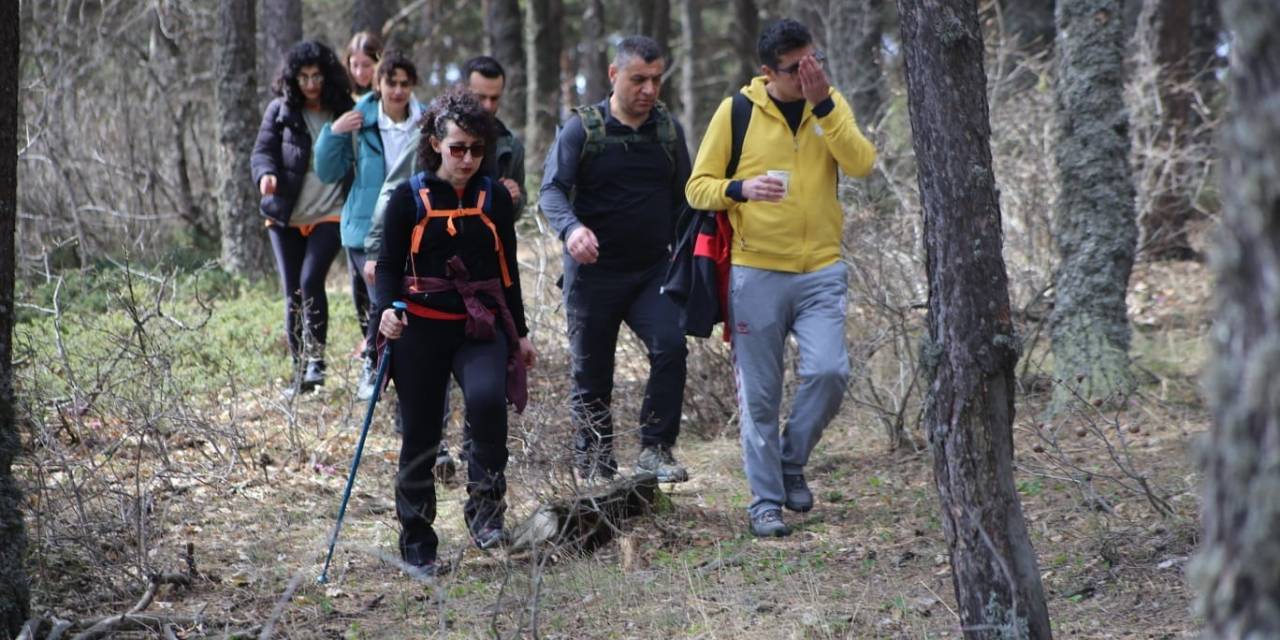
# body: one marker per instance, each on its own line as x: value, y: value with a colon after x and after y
x: 801, y: 233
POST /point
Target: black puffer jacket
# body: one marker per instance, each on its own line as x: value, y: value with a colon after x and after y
x: 283, y: 149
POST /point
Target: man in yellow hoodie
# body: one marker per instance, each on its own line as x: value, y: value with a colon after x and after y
x: 787, y: 277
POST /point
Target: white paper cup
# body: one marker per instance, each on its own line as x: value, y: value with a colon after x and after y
x: 784, y: 176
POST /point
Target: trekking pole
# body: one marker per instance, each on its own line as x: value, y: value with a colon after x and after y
x: 355, y: 461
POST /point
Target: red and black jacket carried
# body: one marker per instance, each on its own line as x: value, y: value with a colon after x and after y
x: 451, y: 257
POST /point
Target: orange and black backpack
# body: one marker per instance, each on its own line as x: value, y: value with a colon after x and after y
x: 484, y: 204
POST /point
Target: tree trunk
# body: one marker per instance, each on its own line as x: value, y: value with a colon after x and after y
x: 1206, y: 33
x: 505, y: 27
x: 281, y: 29
x: 15, y: 595
x: 244, y: 248
x: 856, y: 67
x: 1165, y: 26
x: 746, y: 26
x: 691, y: 33
x: 595, y: 60
x: 369, y: 15
x: 1029, y: 24
x: 1094, y: 222
x: 1237, y: 570
x: 542, y: 51
x: 971, y: 349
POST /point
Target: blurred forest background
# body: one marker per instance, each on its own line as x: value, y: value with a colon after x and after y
x: 160, y: 456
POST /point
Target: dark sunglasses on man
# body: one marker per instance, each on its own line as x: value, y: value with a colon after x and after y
x: 460, y: 150
x: 792, y: 69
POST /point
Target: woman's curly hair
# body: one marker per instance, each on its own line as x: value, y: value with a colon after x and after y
x: 335, y: 95
x: 462, y: 109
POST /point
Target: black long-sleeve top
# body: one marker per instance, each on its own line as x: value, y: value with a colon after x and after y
x: 473, y: 243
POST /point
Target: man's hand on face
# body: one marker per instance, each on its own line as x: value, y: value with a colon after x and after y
x: 583, y: 246
x: 512, y: 187
x: 813, y: 80
x: 763, y: 187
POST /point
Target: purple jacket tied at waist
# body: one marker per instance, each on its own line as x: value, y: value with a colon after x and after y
x: 480, y: 320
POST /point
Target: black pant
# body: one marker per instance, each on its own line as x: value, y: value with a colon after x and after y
x: 303, y: 263
x: 597, y: 302
x: 356, y: 259
x: 422, y: 360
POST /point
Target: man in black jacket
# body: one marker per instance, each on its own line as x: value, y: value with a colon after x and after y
x: 612, y: 186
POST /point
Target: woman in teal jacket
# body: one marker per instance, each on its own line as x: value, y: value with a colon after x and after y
x: 371, y: 138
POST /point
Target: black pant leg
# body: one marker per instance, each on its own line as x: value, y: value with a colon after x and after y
x: 481, y: 371
x: 594, y: 303
x: 356, y: 259
x: 322, y: 247
x: 655, y: 319
x: 290, y: 249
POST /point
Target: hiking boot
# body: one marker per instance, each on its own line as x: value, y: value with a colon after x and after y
x: 596, y: 464
x: 489, y: 537
x: 659, y: 461
x: 429, y: 569
x: 313, y: 376
x: 446, y: 468
x: 368, y: 376
x: 769, y: 524
x: 799, y: 497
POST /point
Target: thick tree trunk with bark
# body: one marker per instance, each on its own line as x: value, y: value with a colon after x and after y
x: 1094, y: 224
x: 15, y: 595
x: 855, y: 62
x: 746, y: 25
x: 971, y: 348
x: 1165, y: 27
x: 542, y: 50
x: 595, y: 52
x: 244, y: 245
x: 691, y: 33
x: 1237, y: 570
x: 369, y: 15
x: 505, y: 28
x: 281, y: 29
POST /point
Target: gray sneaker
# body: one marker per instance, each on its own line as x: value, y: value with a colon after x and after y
x: 769, y: 524
x: 364, y: 388
x: 799, y: 497
x: 659, y: 461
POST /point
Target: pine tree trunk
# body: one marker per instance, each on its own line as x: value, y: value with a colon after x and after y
x: 369, y: 15
x: 1237, y: 570
x: 542, y: 51
x: 281, y: 29
x: 1166, y: 27
x: 595, y: 61
x: 856, y: 66
x: 1094, y: 222
x: 1206, y: 32
x: 244, y: 245
x: 971, y: 348
x: 691, y: 33
x: 746, y: 30
x: 15, y: 595
x: 504, y: 25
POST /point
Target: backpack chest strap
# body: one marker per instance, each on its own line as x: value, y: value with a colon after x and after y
x: 420, y: 229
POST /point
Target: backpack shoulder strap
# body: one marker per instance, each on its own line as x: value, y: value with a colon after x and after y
x: 667, y: 135
x: 416, y: 184
x: 593, y: 124
x: 740, y: 118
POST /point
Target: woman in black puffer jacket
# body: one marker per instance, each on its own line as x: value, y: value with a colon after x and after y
x: 302, y: 213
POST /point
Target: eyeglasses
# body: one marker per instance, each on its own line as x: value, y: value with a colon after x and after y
x: 310, y: 79
x: 459, y: 150
x: 792, y: 69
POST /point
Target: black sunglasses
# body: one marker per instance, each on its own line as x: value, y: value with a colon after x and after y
x: 792, y: 69
x: 459, y: 150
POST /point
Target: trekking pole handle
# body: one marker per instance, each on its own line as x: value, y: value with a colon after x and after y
x: 400, y: 307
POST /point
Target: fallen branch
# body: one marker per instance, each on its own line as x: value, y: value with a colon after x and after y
x: 132, y: 619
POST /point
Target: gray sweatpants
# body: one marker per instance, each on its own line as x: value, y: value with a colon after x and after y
x: 766, y: 307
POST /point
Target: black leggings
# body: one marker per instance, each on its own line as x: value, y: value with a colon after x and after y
x: 359, y: 288
x: 423, y: 359
x: 303, y: 263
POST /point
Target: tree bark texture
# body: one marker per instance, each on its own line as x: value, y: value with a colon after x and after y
x: 595, y: 52
x: 244, y: 248
x: 971, y: 349
x: 1237, y: 570
x: 691, y: 33
x: 855, y: 25
x: 15, y: 593
x: 542, y: 50
x: 1166, y: 27
x: 505, y: 27
x: 746, y: 21
x: 1094, y: 221
x: 369, y: 15
x: 281, y: 29
x: 1029, y: 23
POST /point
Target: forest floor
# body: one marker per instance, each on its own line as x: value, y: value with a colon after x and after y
x: 868, y: 562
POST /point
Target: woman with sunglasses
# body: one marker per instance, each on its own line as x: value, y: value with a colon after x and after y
x: 302, y: 212
x: 449, y: 253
